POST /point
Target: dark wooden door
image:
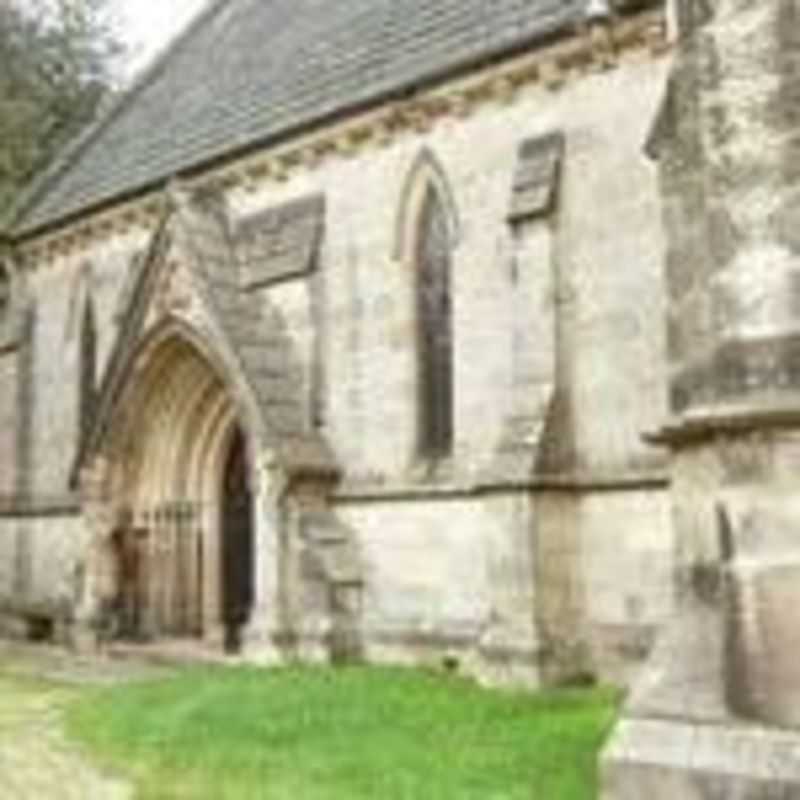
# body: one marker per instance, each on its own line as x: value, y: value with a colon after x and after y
x: 237, y: 545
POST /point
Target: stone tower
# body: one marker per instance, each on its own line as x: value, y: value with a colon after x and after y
x: 717, y: 712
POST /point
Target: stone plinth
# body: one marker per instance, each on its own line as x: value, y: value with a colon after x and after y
x: 716, y: 712
x: 674, y: 760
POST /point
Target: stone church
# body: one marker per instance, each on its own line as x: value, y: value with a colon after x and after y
x: 341, y: 335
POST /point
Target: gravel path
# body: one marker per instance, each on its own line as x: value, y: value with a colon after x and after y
x: 37, y: 762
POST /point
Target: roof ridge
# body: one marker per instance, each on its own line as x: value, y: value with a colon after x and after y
x: 73, y: 149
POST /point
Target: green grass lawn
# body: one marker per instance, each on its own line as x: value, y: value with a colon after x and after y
x: 359, y: 733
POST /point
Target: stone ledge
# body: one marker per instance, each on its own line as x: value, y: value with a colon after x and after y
x: 704, y: 423
x: 664, y: 760
x: 385, y: 491
x: 15, y: 507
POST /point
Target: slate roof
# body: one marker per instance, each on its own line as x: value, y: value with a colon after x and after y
x: 249, y: 72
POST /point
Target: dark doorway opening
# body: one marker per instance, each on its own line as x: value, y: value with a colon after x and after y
x: 237, y: 544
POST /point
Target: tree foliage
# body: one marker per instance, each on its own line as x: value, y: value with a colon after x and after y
x: 56, y: 60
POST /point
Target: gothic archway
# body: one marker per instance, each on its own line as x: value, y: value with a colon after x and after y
x: 428, y: 230
x: 177, y: 469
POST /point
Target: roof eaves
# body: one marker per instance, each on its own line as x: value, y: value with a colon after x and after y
x: 561, y: 25
x: 12, y: 222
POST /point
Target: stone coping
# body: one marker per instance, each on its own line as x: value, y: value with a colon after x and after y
x: 703, y: 423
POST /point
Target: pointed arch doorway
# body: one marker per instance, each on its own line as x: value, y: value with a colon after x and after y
x: 181, y: 485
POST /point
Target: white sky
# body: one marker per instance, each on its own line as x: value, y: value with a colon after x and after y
x: 147, y: 25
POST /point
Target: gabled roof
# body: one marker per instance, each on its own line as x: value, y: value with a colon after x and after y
x: 251, y: 72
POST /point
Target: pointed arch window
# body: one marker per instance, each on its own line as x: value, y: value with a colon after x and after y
x: 434, y: 328
x: 88, y: 369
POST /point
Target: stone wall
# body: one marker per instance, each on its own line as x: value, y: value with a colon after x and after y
x: 627, y: 577
x: 448, y: 577
x: 600, y: 256
x: 557, y: 321
x: 55, y: 380
x: 610, y: 251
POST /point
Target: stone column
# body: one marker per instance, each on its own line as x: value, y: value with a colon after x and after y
x: 729, y: 151
x: 509, y: 648
x: 263, y: 632
x: 93, y: 571
x: 213, y: 633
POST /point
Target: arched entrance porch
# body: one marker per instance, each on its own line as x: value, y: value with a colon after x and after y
x: 180, y: 490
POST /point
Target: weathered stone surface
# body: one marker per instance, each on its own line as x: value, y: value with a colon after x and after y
x: 663, y: 760
x: 716, y: 711
x: 536, y: 177
x: 762, y: 568
x: 281, y: 243
x: 731, y: 264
